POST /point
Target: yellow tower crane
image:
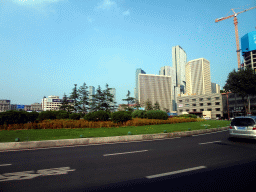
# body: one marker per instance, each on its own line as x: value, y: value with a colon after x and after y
x: 236, y: 30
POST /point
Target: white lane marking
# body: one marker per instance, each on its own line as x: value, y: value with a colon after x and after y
x: 125, y: 153
x: 209, y: 142
x: 32, y: 174
x: 175, y: 172
x: 2, y: 165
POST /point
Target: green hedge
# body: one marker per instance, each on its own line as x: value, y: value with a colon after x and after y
x: 97, y: 116
x: 156, y: 114
x: 188, y: 116
x: 17, y: 117
x: 74, y: 116
x: 139, y: 114
x: 121, y: 116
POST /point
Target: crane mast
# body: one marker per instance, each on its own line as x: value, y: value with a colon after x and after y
x: 236, y: 30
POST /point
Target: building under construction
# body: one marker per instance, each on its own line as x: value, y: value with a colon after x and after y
x: 248, y: 43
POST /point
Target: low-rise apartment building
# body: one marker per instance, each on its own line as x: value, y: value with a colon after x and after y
x: 5, y: 105
x: 196, y: 104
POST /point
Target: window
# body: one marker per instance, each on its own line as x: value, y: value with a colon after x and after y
x: 217, y: 103
x: 186, y: 105
x: 181, y: 110
x: 193, y: 100
x: 217, y: 109
x: 186, y: 100
x: 201, y: 99
x: 201, y: 104
x: 209, y: 98
x: 209, y: 104
x: 209, y: 109
x: 194, y: 110
x: 217, y: 98
x: 180, y: 101
x: 187, y: 110
x: 194, y: 104
x: 201, y: 109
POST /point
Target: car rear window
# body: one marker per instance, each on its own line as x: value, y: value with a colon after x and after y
x: 242, y: 122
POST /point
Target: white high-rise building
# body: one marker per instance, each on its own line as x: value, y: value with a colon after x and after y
x: 91, y: 92
x: 179, y: 60
x: 198, y: 78
x: 170, y: 71
x: 155, y: 88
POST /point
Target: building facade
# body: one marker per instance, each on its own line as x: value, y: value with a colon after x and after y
x: 248, y: 44
x: 136, y: 89
x: 53, y: 103
x: 170, y: 71
x: 198, y: 78
x: 215, y: 88
x: 196, y: 104
x: 36, y: 107
x: 5, y: 105
x: 179, y: 60
x: 155, y: 88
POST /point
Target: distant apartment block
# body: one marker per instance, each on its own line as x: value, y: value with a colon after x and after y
x: 215, y: 88
x: 196, y: 104
x: 91, y: 92
x: 5, y: 105
x: 170, y: 71
x: 53, y: 103
x: 36, y: 107
x: 198, y: 78
x: 155, y: 88
x: 136, y: 89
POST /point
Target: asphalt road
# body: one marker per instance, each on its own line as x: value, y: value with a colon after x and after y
x: 207, y: 162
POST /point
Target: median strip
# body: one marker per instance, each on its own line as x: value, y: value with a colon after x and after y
x: 175, y: 172
x: 125, y: 153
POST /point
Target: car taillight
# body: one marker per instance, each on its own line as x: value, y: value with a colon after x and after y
x: 230, y: 127
x: 254, y: 127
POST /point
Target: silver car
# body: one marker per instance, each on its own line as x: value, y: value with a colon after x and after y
x: 243, y: 127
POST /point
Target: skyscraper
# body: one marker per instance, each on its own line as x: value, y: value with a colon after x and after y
x: 138, y: 71
x: 155, y: 88
x: 198, y: 78
x: 179, y: 60
x: 91, y: 92
x: 170, y: 71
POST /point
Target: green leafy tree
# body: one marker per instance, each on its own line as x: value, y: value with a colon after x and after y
x: 83, y: 96
x: 243, y: 83
x: 156, y: 106
x: 97, y: 101
x: 148, y: 105
x: 75, y: 95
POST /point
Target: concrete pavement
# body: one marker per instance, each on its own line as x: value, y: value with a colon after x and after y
x: 100, y: 140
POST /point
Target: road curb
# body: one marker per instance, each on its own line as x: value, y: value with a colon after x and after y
x: 98, y: 140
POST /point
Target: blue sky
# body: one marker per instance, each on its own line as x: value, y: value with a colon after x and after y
x: 47, y: 46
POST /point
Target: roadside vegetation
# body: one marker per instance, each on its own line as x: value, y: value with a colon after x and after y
x: 73, y: 133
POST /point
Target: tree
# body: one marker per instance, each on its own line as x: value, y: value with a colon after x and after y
x: 65, y: 105
x: 156, y: 106
x: 148, y: 105
x: 83, y: 97
x: 108, y: 103
x: 243, y: 83
x: 97, y: 101
x: 129, y: 100
x: 75, y: 95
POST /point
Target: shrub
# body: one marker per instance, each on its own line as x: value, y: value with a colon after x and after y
x: 139, y: 114
x: 47, y: 115
x: 121, y: 116
x: 74, y: 116
x: 62, y: 115
x: 156, y: 114
x: 188, y: 116
x: 13, y: 117
x: 32, y: 116
x: 97, y: 116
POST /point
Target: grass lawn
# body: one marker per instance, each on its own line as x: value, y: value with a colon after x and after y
x: 54, y: 134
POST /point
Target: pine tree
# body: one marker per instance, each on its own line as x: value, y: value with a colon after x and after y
x: 75, y: 95
x: 83, y: 97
